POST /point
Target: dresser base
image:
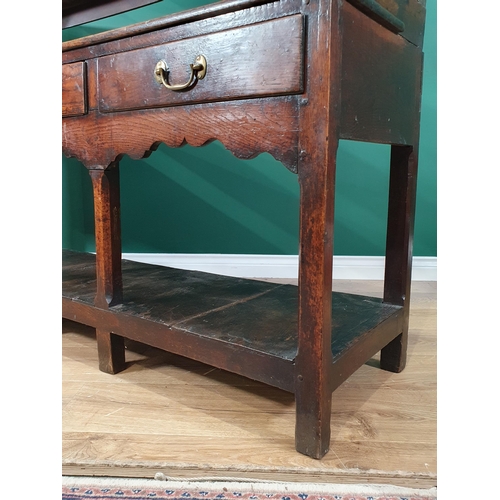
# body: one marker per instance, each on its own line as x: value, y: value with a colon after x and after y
x: 244, y: 326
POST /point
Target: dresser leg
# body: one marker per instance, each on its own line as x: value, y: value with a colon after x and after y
x: 313, y: 364
x: 111, y: 352
x: 106, y: 189
x: 399, y: 248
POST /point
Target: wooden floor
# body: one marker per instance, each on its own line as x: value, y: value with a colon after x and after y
x: 182, y: 418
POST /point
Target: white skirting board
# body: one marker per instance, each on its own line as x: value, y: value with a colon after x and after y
x: 282, y: 266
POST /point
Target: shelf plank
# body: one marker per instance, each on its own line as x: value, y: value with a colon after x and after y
x: 197, y: 314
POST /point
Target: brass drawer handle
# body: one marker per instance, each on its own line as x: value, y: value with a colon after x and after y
x: 198, y: 72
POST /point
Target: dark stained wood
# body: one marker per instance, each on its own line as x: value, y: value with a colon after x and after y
x: 109, y: 286
x: 208, y: 304
x: 362, y: 348
x: 381, y: 75
x: 253, y: 364
x: 91, y: 85
x: 171, y: 295
x: 240, y: 63
x: 412, y: 14
x: 379, y: 14
x: 292, y: 78
x: 74, y: 91
x: 106, y: 186
x: 111, y: 351
x: 405, y: 17
x: 199, y: 313
x: 75, y: 12
x: 257, y: 126
x: 318, y: 146
x: 399, y: 247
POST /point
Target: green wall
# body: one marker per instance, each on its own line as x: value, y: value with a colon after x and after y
x: 204, y: 200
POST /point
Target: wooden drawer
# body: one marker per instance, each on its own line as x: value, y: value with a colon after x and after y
x: 74, y: 89
x: 258, y: 60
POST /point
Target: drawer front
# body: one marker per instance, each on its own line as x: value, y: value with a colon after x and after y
x: 74, y: 89
x: 258, y: 60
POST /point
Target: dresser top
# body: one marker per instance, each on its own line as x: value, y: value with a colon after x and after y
x: 197, y: 14
x: 75, y: 12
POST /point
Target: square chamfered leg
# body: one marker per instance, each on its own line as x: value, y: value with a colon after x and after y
x: 399, y: 248
x: 318, y: 143
x: 314, y: 358
x: 111, y: 351
x: 106, y: 189
x: 313, y: 364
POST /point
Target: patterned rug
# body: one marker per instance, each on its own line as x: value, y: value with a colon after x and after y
x: 80, y: 488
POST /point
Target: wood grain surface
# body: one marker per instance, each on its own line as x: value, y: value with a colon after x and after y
x: 74, y: 92
x: 244, y: 326
x: 411, y: 12
x: 241, y: 63
x: 188, y: 16
x: 168, y: 414
x: 256, y: 126
x: 381, y: 75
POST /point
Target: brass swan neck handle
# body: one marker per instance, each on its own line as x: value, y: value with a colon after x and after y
x: 198, y: 72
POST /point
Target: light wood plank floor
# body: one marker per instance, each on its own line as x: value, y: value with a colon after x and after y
x: 168, y: 414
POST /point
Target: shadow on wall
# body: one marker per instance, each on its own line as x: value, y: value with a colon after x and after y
x: 361, y: 198
x: 204, y: 200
